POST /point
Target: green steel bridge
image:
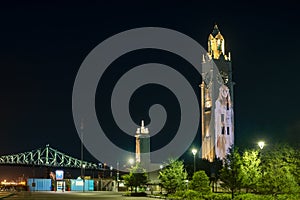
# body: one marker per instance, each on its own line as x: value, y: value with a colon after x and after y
x: 47, y: 157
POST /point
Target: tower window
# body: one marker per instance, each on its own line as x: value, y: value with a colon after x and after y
x: 219, y: 45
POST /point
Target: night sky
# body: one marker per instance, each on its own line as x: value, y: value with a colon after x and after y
x: 42, y: 46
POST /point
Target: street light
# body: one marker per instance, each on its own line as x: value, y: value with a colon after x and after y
x: 131, y: 161
x: 111, y: 168
x: 81, y: 148
x: 118, y: 174
x: 261, y: 144
x: 161, y: 167
x: 194, y: 151
x: 83, y: 166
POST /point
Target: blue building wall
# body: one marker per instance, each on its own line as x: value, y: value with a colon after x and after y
x: 77, y: 185
x: 36, y: 184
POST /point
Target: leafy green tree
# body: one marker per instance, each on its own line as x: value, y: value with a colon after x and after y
x: 279, y: 167
x: 251, y: 170
x: 278, y: 180
x: 231, y: 174
x: 128, y: 180
x: 173, y: 176
x: 200, y: 182
x: 136, y: 177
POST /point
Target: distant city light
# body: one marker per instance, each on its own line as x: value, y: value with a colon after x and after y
x: 4, y: 182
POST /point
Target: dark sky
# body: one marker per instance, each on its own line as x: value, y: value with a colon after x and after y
x: 42, y: 46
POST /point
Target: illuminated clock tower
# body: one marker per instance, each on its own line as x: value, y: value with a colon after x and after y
x: 142, y: 146
x: 216, y: 99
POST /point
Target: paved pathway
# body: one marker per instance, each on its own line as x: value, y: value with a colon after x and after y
x: 72, y: 196
x: 4, y: 194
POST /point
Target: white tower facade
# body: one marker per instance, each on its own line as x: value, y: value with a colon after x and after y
x: 217, y: 118
x: 142, y: 146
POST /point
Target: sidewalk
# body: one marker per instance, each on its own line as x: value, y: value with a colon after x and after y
x: 5, y: 194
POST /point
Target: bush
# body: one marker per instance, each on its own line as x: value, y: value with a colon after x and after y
x: 194, y: 195
x: 200, y: 182
x: 217, y: 196
x: 187, y: 195
x: 250, y: 196
x: 178, y: 195
x: 135, y: 194
x: 138, y: 194
x: 288, y: 197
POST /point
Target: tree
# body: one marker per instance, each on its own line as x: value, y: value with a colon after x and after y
x: 279, y: 168
x: 278, y: 180
x: 231, y: 174
x: 128, y: 180
x: 173, y: 176
x: 136, y: 177
x: 251, y: 169
x: 200, y: 182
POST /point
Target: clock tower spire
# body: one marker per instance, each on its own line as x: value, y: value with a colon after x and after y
x: 216, y: 44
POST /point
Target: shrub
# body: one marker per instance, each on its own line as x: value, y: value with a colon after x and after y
x: 200, y: 182
x: 217, y: 196
x: 194, y: 195
x: 288, y: 197
x: 138, y: 194
x: 250, y: 196
x: 188, y: 195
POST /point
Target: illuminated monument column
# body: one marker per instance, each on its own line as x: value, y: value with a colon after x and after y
x: 142, y: 146
x: 216, y: 117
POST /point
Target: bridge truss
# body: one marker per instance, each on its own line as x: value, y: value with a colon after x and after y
x: 48, y: 157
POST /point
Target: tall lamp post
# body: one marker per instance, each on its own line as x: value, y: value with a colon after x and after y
x: 81, y: 149
x: 118, y: 174
x: 261, y: 145
x: 111, y: 171
x: 83, y: 167
x: 194, y: 151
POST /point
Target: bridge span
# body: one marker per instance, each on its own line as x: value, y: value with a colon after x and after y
x: 48, y: 157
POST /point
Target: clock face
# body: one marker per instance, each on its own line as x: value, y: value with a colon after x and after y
x: 224, y: 76
x: 221, y: 77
